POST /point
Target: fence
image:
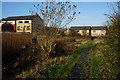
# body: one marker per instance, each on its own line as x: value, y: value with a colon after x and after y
x: 13, y: 40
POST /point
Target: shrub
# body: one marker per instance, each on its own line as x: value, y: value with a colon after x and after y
x: 74, y: 33
x: 111, y: 49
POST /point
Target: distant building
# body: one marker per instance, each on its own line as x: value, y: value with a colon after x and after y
x: 21, y: 23
x: 82, y: 30
x: 88, y: 30
x: 98, y: 30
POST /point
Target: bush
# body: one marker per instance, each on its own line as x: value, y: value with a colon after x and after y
x: 74, y: 33
x: 111, y: 51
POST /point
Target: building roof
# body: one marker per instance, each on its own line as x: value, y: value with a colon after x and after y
x: 29, y: 17
x: 88, y: 27
x: 80, y: 27
x: 99, y: 27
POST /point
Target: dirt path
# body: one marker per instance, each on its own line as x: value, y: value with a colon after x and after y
x: 82, y: 68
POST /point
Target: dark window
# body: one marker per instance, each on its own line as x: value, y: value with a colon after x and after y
x: 77, y: 30
x: 26, y: 21
x: 5, y: 23
x: 20, y: 22
x: 18, y: 28
x: 28, y: 27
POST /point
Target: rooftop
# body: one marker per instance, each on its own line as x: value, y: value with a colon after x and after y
x: 29, y: 17
x: 99, y: 27
x: 88, y: 27
x: 80, y: 27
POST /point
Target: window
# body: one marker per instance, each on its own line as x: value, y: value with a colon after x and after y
x: 26, y: 21
x: 77, y: 30
x: 20, y: 22
x: 18, y: 28
x: 28, y: 27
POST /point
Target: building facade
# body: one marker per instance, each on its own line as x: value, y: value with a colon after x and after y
x: 98, y: 31
x: 82, y: 30
x: 94, y: 31
x: 21, y: 23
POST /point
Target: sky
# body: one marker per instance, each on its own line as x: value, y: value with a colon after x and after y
x: 91, y: 13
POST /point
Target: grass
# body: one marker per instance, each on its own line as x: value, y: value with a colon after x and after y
x: 56, y: 67
x: 95, y: 60
x: 63, y: 70
x: 101, y: 66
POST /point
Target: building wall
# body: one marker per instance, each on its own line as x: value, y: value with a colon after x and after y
x: 98, y: 32
x: 22, y: 27
x: 37, y: 24
x: 11, y: 22
x: 86, y: 32
x: 83, y: 32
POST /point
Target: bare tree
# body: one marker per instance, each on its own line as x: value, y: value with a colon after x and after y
x: 55, y: 15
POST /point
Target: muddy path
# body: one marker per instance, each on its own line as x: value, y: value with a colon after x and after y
x: 82, y: 68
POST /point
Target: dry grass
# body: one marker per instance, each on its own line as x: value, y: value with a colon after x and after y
x: 22, y: 61
x: 56, y: 63
x: 98, y: 40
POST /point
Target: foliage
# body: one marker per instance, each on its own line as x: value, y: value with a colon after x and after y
x: 56, y: 16
x: 64, y: 69
x: 105, y: 58
x: 58, y: 67
x: 109, y: 66
x: 73, y: 33
x: 94, y: 62
x: 112, y: 49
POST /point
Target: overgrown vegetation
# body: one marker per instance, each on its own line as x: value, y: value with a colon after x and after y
x: 58, y: 67
x: 54, y: 56
x: 95, y: 56
x: 56, y: 16
x: 111, y: 47
x: 111, y: 50
x: 32, y: 60
x: 106, y: 54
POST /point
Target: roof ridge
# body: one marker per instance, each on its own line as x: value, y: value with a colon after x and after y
x: 20, y: 16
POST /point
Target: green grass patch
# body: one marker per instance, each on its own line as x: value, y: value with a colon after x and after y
x: 103, y: 66
x: 63, y: 70
x: 95, y: 61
